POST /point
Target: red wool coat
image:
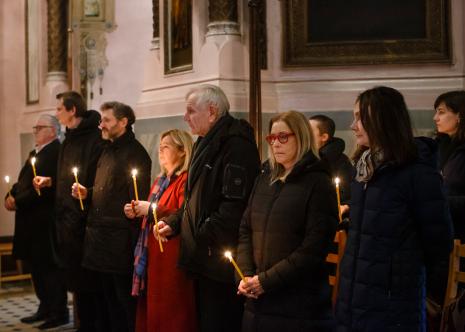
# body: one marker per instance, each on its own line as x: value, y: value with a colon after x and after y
x: 168, y: 304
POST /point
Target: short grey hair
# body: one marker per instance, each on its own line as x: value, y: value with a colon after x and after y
x: 209, y: 94
x: 52, y: 121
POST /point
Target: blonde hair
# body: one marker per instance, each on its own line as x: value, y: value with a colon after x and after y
x: 183, y: 141
x: 299, y: 126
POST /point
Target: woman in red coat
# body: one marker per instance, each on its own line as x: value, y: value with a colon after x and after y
x: 166, y: 298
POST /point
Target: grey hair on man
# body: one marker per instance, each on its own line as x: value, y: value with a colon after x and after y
x: 51, y: 121
x: 209, y: 94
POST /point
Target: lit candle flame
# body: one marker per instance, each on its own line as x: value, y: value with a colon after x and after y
x: 337, y: 181
x: 134, y: 172
x: 75, y: 171
x: 7, y: 179
x: 154, y: 206
x: 33, y: 161
x: 228, y: 255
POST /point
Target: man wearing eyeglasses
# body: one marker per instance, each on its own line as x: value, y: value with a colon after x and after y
x: 81, y: 148
x: 34, y: 234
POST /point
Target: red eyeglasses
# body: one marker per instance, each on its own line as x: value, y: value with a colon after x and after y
x: 282, y: 137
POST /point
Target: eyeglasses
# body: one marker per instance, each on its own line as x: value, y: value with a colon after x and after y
x: 36, y: 129
x: 282, y: 137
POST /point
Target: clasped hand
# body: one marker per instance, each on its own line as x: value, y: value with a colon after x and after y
x: 250, y: 287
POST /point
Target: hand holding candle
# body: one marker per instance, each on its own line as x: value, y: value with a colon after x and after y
x: 154, y: 210
x: 337, y: 181
x: 75, y: 172
x: 134, y: 180
x: 33, y: 164
x: 228, y: 255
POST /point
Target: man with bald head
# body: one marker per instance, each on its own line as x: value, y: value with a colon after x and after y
x: 34, y: 234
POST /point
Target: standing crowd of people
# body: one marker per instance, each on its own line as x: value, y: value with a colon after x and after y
x: 152, y: 258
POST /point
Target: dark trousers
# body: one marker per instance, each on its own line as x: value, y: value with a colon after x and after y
x: 90, y: 308
x: 219, y: 308
x: 50, y: 288
x: 120, y: 305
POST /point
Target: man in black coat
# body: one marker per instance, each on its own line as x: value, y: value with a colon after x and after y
x: 222, y: 172
x: 81, y: 148
x: 331, y: 149
x: 110, y: 237
x: 34, y: 237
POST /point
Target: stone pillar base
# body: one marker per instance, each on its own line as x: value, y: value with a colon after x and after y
x: 223, y: 28
x: 56, y: 76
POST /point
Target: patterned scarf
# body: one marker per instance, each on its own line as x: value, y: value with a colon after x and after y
x: 367, y: 164
x: 140, y: 252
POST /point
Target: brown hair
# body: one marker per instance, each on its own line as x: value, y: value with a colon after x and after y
x: 386, y: 120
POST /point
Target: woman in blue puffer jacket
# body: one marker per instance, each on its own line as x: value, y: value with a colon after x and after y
x: 400, y: 233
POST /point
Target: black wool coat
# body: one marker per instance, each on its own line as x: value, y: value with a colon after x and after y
x: 400, y: 236
x: 81, y: 148
x: 285, y: 236
x: 110, y: 236
x: 34, y: 238
x: 221, y: 174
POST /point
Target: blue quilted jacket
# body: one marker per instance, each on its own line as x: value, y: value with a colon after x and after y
x: 399, y: 240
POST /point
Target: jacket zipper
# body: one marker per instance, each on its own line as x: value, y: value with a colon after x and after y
x: 365, y: 187
x: 275, y: 197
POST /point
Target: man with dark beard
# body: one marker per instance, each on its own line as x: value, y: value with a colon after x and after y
x: 110, y: 236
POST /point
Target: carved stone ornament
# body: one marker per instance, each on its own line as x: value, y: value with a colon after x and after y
x: 223, y: 18
x: 93, y: 59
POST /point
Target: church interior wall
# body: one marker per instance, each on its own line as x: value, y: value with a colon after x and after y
x: 135, y: 75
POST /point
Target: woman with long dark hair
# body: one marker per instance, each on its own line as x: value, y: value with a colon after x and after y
x: 400, y: 230
x: 450, y: 124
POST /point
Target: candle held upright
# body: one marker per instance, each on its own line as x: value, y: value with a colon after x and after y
x: 154, y: 211
x: 75, y: 172
x: 134, y: 180
x: 33, y: 164
x: 338, y: 194
x: 7, y: 180
x: 228, y: 255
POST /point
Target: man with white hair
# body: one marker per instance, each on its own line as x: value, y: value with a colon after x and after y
x: 221, y: 174
x: 34, y: 234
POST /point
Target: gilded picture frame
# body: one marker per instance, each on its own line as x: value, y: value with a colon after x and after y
x: 177, y: 36
x: 340, y: 32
